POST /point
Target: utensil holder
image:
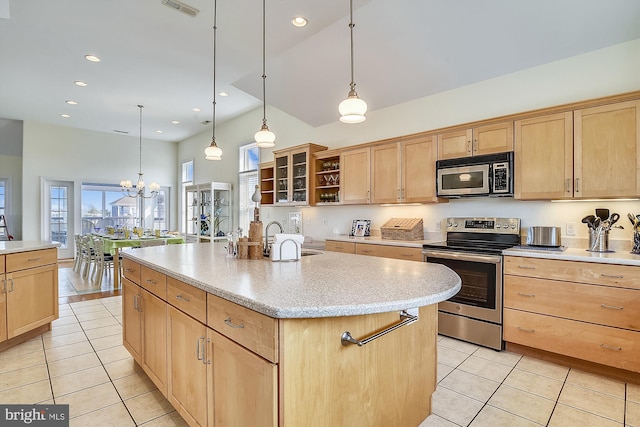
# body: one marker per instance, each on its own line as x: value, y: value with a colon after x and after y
x: 636, y: 243
x: 598, y: 240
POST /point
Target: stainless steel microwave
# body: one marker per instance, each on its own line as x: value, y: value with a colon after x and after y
x: 489, y: 175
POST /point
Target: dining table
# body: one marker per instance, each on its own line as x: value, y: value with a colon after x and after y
x: 113, y: 244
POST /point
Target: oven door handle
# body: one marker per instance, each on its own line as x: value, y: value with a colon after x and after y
x: 463, y: 256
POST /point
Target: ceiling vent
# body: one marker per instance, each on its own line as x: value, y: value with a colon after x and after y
x: 181, y: 7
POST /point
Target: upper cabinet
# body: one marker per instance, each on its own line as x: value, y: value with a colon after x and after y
x: 588, y: 153
x: 266, y: 184
x: 543, y: 162
x: 291, y: 171
x: 355, y: 183
x: 403, y: 171
x: 495, y: 138
x: 607, y: 151
x: 326, y: 175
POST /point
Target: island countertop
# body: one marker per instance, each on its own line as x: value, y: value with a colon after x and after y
x: 15, y: 246
x: 323, y: 285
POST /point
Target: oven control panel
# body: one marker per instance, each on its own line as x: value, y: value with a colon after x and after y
x: 484, y: 225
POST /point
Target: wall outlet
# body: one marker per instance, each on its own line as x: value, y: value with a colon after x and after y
x: 324, y: 221
x: 438, y: 226
x: 571, y: 229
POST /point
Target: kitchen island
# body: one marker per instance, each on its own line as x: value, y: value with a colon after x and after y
x: 29, y: 297
x: 255, y: 342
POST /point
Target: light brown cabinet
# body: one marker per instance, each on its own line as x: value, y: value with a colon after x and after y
x: 355, y: 179
x: 337, y: 246
x: 29, y: 292
x: 587, y: 311
x: 291, y: 168
x: 188, y: 364
x: 488, y: 139
x: 403, y: 171
x: 326, y: 173
x: 131, y: 319
x: 374, y: 249
x: 588, y: 153
x: 267, y: 183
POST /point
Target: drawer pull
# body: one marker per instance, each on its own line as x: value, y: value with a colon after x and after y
x: 526, y: 267
x: 612, y: 276
x: 34, y: 259
x: 527, y: 295
x: 405, y: 319
x: 151, y: 281
x: 129, y: 270
x: 610, y: 347
x: 181, y: 298
x: 529, y: 331
x: 612, y: 307
x: 233, y: 325
x: 366, y: 251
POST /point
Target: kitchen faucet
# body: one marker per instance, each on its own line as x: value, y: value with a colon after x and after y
x: 267, y: 248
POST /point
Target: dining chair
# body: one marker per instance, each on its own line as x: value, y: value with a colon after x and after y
x: 77, y: 258
x: 86, y: 255
x: 102, y: 261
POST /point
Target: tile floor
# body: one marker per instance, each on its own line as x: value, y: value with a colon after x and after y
x: 479, y: 387
x: 82, y: 362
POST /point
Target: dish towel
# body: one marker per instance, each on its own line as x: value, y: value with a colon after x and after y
x: 286, y: 247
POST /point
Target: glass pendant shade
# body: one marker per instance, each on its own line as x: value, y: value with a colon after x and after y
x: 265, y: 138
x: 213, y: 152
x: 352, y: 109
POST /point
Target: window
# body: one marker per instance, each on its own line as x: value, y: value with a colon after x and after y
x: 248, y: 179
x: 4, y: 190
x: 186, y: 178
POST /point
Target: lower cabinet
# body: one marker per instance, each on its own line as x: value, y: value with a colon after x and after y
x: 131, y: 319
x: 588, y: 311
x: 3, y: 309
x: 244, y: 386
x: 188, y: 364
x: 372, y: 249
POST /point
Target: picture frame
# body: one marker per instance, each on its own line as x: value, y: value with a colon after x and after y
x: 361, y: 228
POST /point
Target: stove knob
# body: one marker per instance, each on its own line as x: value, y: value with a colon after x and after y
x: 498, y: 226
x: 513, y: 226
x: 448, y: 224
x: 506, y: 226
x: 455, y: 224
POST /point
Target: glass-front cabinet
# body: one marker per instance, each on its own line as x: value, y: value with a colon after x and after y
x: 209, y: 213
x: 291, y: 170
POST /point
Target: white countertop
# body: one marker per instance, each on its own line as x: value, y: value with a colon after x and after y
x: 324, y: 285
x: 379, y: 241
x: 14, y: 246
x: 578, y: 254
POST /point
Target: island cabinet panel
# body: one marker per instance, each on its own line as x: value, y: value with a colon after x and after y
x: 154, y: 339
x: 132, y: 319
x: 335, y: 246
x: 255, y: 331
x: 25, y: 260
x: 386, y: 251
x: 3, y: 305
x: 188, y: 363
x: 154, y: 282
x: 188, y: 299
x: 400, y: 364
x: 131, y: 270
x: 355, y: 179
x: 244, y: 386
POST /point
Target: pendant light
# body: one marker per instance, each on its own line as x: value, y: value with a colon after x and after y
x: 352, y: 109
x: 213, y: 152
x: 264, y: 137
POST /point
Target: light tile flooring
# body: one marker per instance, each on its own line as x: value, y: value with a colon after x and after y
x: 479, y: 387
x: 82, y: 362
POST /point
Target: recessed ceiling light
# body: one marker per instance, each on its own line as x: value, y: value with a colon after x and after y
x: 80, y: 83
x: 158, y: 131
x: 71, y: 102
x: 196, y: 110
x: 66, y: 116
x: 223, y: 94
x: 175, y: 122
x: 92, y: 58
x: 299, y: 21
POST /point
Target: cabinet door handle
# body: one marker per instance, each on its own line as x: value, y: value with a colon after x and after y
x: 526, y: 267
x: 135, y: 303
x: 577, y: 185
x: 610, y: 347
x: 181, y: 298
x: 469, y: 146
x: 529, y: 331
x: 205, y: 361
x: 568, y: 185
x: 612, y: 307
x: 11, y: 280
x: 199, y: 354
x: 612, y: 276
x: 233, y: 325
x: 151, y: 281
x: 475, y: 145
x: 526, y: 295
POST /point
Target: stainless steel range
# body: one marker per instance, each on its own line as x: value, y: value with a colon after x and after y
x: 473, y: 250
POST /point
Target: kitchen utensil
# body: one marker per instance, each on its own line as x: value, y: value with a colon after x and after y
x: 602, y: 213
x: 589, y: 220
x: 614, y: 218
x: 632, y: 219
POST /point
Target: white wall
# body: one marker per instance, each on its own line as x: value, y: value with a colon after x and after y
x: 600, y: 73
x: 62, y: 153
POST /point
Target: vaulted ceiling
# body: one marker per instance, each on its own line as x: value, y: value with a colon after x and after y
x: 153, y: 55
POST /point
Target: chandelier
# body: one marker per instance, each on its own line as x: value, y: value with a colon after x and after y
x: 139, y: 192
